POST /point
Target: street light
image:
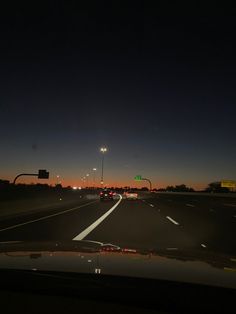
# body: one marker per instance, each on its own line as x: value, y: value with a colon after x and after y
x: 87, y: 176
x: 58, y: 179
x: 83, y: 179
x: 103, y: 150
x: 94, y: 171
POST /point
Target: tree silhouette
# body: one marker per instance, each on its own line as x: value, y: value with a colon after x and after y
x: 216, y: 188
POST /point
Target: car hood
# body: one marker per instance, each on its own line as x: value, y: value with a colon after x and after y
x: 92, y: 257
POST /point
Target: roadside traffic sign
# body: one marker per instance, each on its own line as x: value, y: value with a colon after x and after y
x: 228, y: 184
x: 43, y: 174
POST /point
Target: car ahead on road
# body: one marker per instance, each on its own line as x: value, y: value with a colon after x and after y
x: 106, y: 194
x: 131, y: 195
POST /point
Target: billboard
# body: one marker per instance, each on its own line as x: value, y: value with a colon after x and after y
x: 228, y: 184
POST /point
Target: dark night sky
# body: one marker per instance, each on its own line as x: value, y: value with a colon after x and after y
x: 159, y: 91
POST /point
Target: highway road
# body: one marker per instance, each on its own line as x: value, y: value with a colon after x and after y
x: 156, y: 221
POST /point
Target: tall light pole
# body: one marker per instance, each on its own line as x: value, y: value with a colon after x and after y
x: 87, y: 176
x: 58, y: 179
x: 84, y: 181
x: 94, y: 171
x: 103, y: 150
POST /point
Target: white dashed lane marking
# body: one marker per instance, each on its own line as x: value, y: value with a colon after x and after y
x: 190, y: 205
x: 172, y: 220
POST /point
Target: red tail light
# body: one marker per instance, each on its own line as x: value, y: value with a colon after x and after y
x: 101, y: 193
x: 110, y: 193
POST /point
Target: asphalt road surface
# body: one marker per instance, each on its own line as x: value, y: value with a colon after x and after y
x: 157, y: 221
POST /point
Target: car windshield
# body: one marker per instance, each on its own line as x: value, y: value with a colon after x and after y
x: 109, y: 100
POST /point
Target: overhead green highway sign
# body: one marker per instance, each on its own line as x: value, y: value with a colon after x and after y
x: 140, y: 178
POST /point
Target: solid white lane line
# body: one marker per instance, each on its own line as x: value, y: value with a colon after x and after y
x: 151, y: 205
x: 89, y: 229
x: 232, y: 205
x: 172, y: 220
x: 190, y: 205
x: 9, y: 242
x: 46, y: 217
x: 203, y: 245
x: 172, y: 248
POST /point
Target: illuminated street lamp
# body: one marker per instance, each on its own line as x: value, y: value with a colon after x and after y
x: 87, y: 176
x: 94, y: 171
x: 58, y: 181
x: 83, y: 179
x: 103, y: 150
